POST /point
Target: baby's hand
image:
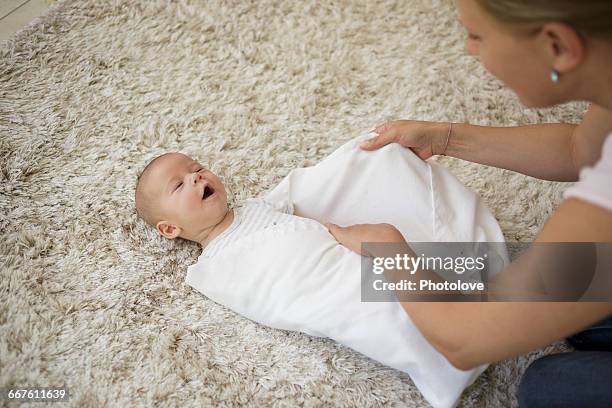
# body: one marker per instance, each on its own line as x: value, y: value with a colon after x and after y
x: 352, y: 236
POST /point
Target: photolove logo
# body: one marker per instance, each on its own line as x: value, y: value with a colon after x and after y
x: 486, y: 271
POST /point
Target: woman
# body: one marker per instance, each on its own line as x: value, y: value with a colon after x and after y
x: 548, y: 52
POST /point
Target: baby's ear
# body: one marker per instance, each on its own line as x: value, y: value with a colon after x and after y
x: 168, y: 230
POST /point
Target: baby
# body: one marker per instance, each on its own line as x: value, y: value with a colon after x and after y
x: 272, y: 261
x: 180, y: 198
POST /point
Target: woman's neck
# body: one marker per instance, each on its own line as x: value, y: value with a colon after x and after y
x: 598, y: 76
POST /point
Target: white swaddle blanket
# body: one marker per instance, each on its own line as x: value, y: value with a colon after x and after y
x: 293, y: 274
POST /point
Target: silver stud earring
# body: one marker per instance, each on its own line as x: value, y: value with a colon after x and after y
x: 554, y: 76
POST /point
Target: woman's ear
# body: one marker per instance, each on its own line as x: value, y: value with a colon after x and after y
x: 168, y: 230
x: 565, y: 46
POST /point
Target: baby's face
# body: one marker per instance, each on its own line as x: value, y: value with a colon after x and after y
x: 190, y: 196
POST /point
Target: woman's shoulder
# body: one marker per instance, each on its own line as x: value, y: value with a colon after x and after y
x: 597, y: 119
x: 590, y: 134
x: 595, y: 183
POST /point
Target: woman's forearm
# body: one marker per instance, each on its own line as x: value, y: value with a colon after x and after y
x: 543, y: 151
x: 473, y: 333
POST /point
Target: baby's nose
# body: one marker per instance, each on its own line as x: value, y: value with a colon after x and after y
x: 197, y: 176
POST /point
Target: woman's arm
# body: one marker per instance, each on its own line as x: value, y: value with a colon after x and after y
x: 543, y: 151
x: 552, y: 151
x: 470, y: 334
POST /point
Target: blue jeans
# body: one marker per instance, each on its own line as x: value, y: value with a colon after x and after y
x: 580, y: 378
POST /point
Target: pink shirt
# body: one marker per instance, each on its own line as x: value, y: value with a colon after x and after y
x: 595, y: 183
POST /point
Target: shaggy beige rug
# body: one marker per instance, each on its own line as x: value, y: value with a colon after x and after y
x: 91, y: 91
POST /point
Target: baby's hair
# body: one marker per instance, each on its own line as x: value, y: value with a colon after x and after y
x: 146, y: 207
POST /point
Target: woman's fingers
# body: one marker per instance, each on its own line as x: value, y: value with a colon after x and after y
x: 345, y: 236
x: 378, y: 141
x: 330, y: 226
x: 334, y: 230
x: 383, y: 128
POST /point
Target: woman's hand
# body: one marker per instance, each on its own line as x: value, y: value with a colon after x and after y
x: 424, y: 138
x: 352, y: 236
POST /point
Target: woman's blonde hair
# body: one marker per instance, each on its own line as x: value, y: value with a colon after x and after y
x: 588, y: 17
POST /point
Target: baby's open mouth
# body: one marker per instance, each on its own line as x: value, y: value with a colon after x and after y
x: 208, y: 191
